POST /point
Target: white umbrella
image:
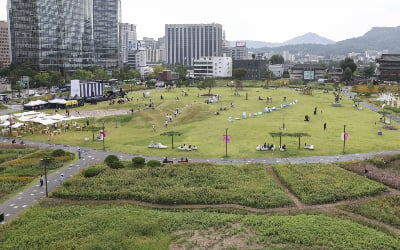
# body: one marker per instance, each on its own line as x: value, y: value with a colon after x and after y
x: 56, y: 117
x: 5, y: 124
x: 17, y: 125
x: 25, y: 118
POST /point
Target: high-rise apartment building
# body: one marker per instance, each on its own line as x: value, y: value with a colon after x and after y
x: 186, y: 42
x: 127, y: 34
x: 4, y: 45
x: 64, y: 35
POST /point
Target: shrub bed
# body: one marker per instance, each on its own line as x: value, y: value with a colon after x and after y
x: 189, y: 183
x: 320, y: 183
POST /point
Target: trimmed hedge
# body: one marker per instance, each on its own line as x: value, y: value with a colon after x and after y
x: 154, y: 163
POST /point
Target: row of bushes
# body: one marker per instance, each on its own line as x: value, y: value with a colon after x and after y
x: 137, y: 162
x: 112, y: 161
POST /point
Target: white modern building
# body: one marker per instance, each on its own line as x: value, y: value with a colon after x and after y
x: 137, y: 54
x: 276, y: 69
x: 213, y: 67
x: 185, y: 43
x: 127, y: 33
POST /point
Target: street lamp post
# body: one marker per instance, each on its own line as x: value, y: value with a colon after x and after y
x: 45, y: 161
x: 226, y: 143
x: 104, y: 147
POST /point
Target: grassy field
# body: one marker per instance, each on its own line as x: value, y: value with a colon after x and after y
x: 197, y: 183
x: 319, y: 183
x: 199, y: 126
x: 69, y: 225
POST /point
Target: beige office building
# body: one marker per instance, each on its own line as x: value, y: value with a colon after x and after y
x: 4, y: 45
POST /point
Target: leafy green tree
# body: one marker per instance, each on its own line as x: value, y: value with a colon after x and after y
x: 276, y: 59
x: 207, y: 83
x: 157, y: 69
x: 370, y: 70
x: 181, y: 70
x: 348, y: 63
x: 285, y: 74
x: 269, y: 75
x: 43, y: 79
x: 56, y: 79
x: 100, y: 74
x: 239, y: 73
x: 82, y: 74
x: 348, y: 73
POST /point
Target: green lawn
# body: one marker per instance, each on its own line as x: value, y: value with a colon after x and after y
x: 189, y: 183
x: 65, y: 225
x: 320, y: 183
x: 199, y: 126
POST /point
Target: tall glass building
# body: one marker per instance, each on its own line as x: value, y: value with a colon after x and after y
x: 107, y: 17
x: 59, y: 35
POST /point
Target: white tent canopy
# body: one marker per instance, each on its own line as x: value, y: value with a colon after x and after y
x: 35, y: 103
x: 58, y: 101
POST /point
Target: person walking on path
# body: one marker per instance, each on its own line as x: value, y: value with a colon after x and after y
x: 41, y: 180
x: 61, y: 178
x: 79, y: 153
x: 325, y: 126
x: 154, y: 127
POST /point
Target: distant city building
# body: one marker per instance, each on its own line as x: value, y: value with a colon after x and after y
x: 153, y: 51
x: 335, y: 74
x: 4, y: 45
x: 187, y: 42
x: 256, y: 68
x: 65, y: 35
x: 213, y: 67
x: 127, y: 33
x: 388, y: 67
x: 137, y: 54
x: 307, y: 72
x: 106, y: 20
x: 239, y: 52
x: 276, y: 69
x: 167, y: 75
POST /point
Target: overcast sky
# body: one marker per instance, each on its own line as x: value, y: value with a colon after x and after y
x: 261, y: 20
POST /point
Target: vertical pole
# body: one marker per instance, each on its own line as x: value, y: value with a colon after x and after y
x: 344, y: 137
x: 45, y: 176
x: 226, y: 143
x: 104, y: 147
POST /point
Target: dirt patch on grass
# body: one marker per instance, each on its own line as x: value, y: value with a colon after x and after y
x: 234, y: 237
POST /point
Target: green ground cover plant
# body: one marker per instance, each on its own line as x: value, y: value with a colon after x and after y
x: 189, y: 183
x: 198, y: 124
x: 321, y: 183
x: 65, y: 225
x: 385, y: 209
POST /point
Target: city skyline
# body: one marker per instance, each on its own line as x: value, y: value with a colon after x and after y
x: 337, y: 21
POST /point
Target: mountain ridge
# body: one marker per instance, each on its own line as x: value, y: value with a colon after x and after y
x: 378, y: 38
